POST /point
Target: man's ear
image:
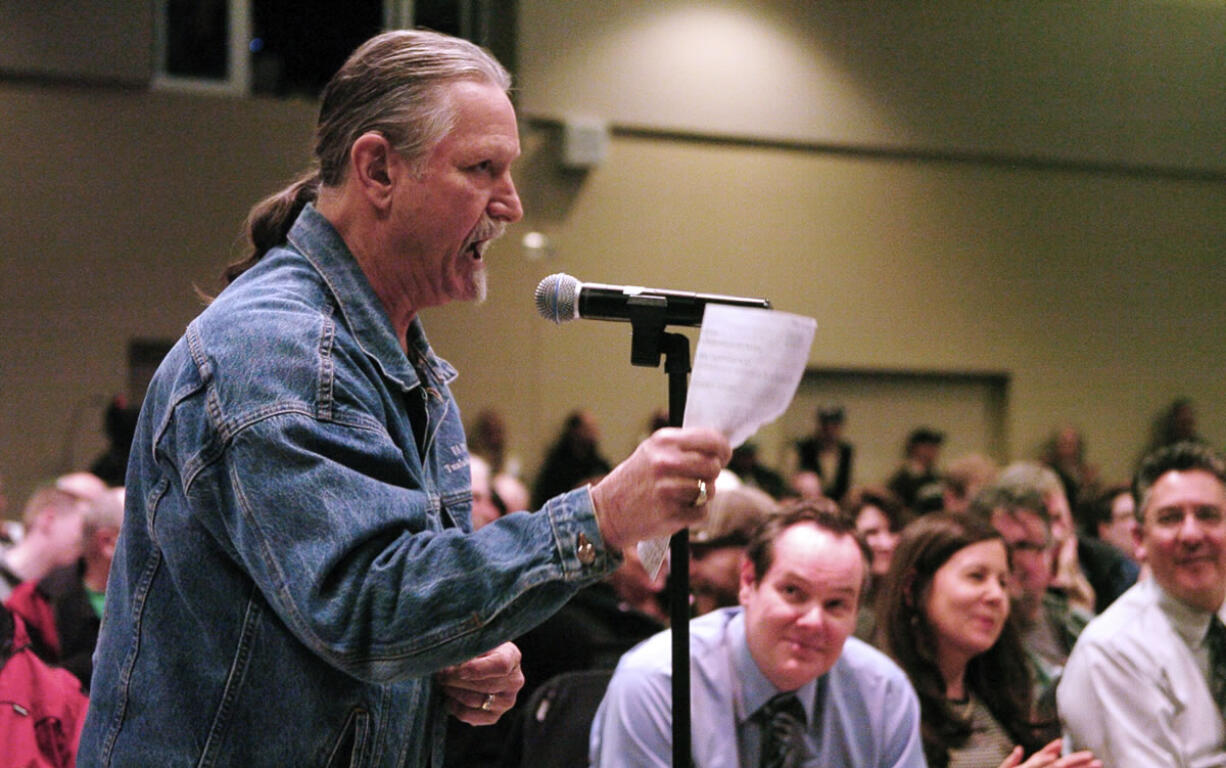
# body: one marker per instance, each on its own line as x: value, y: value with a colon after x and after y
x: 370, y: 158
x: 747, y: 579
x: 1138, y: 543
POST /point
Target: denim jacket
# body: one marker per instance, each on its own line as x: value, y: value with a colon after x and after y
x: 292, y: 568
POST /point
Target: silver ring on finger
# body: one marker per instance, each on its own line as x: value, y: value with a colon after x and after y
x: 488, y: 704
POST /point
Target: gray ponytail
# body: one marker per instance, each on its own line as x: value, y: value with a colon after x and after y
x: 270, y: 220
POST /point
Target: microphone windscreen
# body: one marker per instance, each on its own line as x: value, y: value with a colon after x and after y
x: 556, y: 297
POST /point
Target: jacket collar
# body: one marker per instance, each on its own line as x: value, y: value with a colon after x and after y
x: 316, y: 239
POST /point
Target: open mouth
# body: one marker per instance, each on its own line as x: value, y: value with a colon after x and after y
x: 486, y: 232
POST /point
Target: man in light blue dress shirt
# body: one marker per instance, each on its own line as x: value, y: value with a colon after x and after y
x: 800, y: 588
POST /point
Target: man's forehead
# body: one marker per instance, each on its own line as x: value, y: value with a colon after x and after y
x: 828, y: 574
x: 480, y: 141
x: 1181, y: 487
x: 483, y: 108
x: 817, y: 556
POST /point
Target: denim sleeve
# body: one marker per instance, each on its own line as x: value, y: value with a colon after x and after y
x: 354, y: 560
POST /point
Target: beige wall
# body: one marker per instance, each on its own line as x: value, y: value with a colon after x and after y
x: 1068, y: 236
x: 95, y: 40
x: 1098, y: 294
x: 115, y: 206
x: 1130, y: 82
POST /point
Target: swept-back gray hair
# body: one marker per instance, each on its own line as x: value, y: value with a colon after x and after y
x: 393, y: 84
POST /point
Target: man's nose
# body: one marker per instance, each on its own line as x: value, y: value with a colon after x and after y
x: 813, y: 617
x: 505, y: 205
x: 1191, y: 529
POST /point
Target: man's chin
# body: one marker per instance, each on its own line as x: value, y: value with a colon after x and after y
x: 796, y: 672
x: 475, y: 289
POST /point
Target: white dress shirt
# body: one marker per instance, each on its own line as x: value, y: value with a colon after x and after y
x: 1135, y: 690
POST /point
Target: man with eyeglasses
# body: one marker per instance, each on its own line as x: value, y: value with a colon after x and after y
x: 1049, y: 624
x: 1146, y: 683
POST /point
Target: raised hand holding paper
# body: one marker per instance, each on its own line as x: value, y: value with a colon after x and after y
x: 746, y: 370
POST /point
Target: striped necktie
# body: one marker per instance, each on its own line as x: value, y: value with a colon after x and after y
x: 783, y: 724
x: 1215, y: 640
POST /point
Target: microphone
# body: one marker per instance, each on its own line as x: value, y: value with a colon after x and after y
x: 561, y: 297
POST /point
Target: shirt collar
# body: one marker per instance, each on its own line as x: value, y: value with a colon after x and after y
x: 315, y: 237
x: 754, y: 690
x: 1192, y: 624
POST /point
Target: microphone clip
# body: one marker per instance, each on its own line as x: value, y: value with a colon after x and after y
x: 648, y: 317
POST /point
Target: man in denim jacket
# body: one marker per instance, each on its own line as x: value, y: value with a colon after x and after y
x: 297, y: 582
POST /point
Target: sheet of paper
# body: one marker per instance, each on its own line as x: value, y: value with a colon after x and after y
x: 745, y: 373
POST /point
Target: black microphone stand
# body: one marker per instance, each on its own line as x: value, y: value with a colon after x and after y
x: 647, y: 342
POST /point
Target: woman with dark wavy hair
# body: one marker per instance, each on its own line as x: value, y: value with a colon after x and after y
x: 944, y: 617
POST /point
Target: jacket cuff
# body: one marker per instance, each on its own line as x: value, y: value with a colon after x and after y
x: 577, y: 538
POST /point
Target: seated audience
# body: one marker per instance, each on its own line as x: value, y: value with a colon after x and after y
x: 63, y: 610
x: 637, y: 591
x: 486, y: 505
x: 10, y: 530
x: 1064, y: 454
x: 826, y: 453
x: 511, y: 492
x: 1175, y: 424
x: 119, y: 426
x: 805, y: 484
x: 752, y: 472
x: 1069, y: 577
x: 573, y: 458
x: 878, y: 518
x: 42, y: 709
x: 52, y: 535
x: 1114, y: 519
x: 917, y: 483
x: 965, y: 476
x: 717, y: 545
x: 1048, y: 623
x: 1091, y: 573
x: 778, y: 680
x: 487, y: 438
x: 596, y: 626
x: 944, y: 619
x: 1146, y: 683
x: 494, y: 496
x: 591, y: 631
